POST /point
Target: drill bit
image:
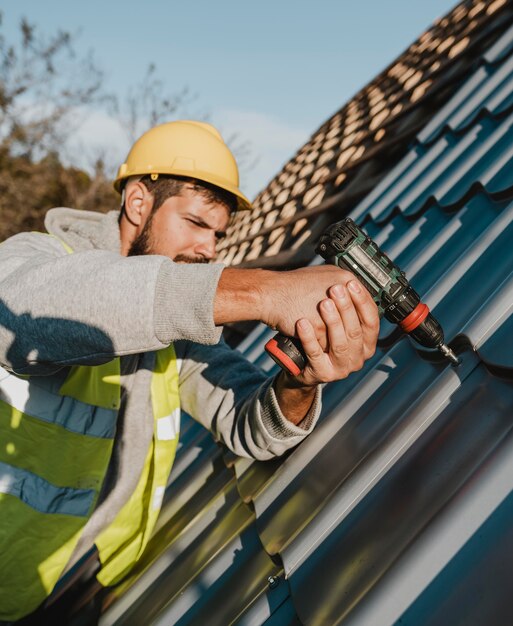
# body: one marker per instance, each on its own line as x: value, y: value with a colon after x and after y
x: 448, y: 353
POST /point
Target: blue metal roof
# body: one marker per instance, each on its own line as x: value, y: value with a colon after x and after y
x: 444, y: 172
x: 487, y: 91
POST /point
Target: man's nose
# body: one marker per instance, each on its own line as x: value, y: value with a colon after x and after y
x: 207, y: 246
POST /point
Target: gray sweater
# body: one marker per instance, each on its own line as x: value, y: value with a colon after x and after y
x: 59, y: 309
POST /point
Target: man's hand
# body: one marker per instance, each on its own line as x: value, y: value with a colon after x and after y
x: 296, y: 294
x: 325, y: 306
x: 352, y: 325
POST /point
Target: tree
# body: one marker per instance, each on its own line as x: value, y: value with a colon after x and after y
x: 43, y: 83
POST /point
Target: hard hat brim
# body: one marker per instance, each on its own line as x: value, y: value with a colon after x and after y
x: 243, y: 204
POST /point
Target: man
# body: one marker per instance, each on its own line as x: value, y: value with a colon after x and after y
x: 110, y: 324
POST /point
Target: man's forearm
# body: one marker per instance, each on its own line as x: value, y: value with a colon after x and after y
x: 295, y: 400
x: 277, y: 299
x: 239, y: 295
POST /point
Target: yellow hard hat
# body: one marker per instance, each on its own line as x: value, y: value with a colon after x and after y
x: 185, y: 148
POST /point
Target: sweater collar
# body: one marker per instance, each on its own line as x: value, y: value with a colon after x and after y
x: 85, y: 230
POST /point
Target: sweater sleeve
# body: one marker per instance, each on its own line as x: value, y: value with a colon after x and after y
x: 59, y: 309
x: 236, y: 401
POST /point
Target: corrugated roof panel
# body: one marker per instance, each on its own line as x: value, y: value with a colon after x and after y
x: 446, y: 171
x: 277, y: 518
x: 407, y: 425
x: 487, y: 163
x: 427, y: 172
x: 386, y: 185
x: 501, y: 48
x: 490, y: 331
x: 183, y: 560
x: 493, y: 94
x: 497, y: 99
x: 273, y: 606
x: 254, y: 477
x: 462, y: 107
x: 284, y: 615
x: 397, y: 188
x: 374, y: 540
x: 487, y: 89
x: 439, y: 237
x: 468, y: 584
x: 476, y: 275
x: 227, y: 587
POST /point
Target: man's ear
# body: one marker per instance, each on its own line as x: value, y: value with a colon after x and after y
x: 138, y: 203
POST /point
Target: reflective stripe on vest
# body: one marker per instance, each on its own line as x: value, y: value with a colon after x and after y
x: 55, y: 447
x: 42, y: 495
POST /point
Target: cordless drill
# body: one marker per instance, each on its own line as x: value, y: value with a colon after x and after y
x: 346, y: 245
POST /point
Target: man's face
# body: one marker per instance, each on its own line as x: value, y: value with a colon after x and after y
x: 184, y: 228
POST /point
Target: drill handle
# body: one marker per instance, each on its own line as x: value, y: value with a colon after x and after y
x: 287, y: 352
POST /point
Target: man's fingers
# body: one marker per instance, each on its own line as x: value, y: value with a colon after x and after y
x: 365, y: 305
x: 332, y: 313
x: 351, y: 324
x: 368, y: 314
x: 348, y: 313
x: 311, y: 345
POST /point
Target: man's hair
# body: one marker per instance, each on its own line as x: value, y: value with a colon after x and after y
x: 167, y: 186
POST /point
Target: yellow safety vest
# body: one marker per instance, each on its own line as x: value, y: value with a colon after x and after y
x: 56, y: 440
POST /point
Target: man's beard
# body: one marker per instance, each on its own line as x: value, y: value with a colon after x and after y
x: 143, y: 245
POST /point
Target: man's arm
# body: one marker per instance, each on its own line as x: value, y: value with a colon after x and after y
x: 278, y: 299
x: 59, y: 309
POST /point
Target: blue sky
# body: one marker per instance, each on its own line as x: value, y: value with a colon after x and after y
x: 272, y: 72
